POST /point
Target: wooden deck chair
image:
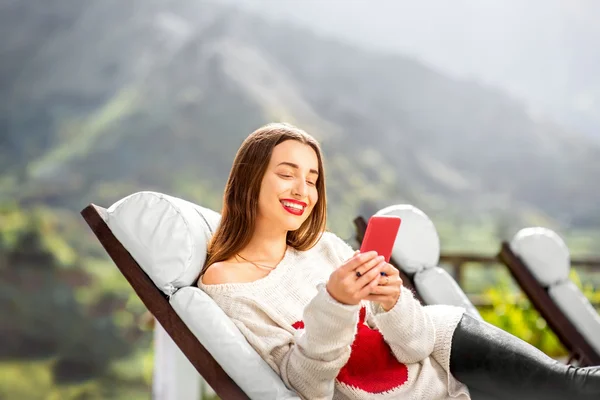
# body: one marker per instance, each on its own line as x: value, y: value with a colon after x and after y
x: 539, y: 261
x: 159, y: 243
x: 416, y: 254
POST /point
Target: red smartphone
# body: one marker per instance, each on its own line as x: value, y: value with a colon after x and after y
x: 381, y: 234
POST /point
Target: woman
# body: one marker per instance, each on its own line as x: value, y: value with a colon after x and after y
x: 328, y: 321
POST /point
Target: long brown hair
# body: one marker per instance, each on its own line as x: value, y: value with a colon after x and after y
x: 240, y: 200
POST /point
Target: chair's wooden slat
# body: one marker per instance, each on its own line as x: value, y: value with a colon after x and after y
x: 158, y: 305
x: 361, y: 228
x: 564, y: 329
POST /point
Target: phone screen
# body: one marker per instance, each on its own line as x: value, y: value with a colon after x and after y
x: 381, y: 234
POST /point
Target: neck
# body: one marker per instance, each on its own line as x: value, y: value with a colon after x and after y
x: 267, y: 244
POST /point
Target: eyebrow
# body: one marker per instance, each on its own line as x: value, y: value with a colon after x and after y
x: 289, y: 164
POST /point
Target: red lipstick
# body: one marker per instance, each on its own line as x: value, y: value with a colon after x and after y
x: 293, y: 206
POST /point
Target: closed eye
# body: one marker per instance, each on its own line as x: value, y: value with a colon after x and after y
x: 287, y: 176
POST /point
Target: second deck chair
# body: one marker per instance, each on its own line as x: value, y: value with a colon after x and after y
x: 416, y: 254
x: 159, y: 244
x: 539, y: 261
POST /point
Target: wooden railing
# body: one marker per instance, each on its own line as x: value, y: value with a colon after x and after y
x: 457, y: 263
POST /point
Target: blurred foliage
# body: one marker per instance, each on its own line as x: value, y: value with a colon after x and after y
x: 513, y: 313
x: 510, y: 310
x: 33, y: 380
x: 71, y: 319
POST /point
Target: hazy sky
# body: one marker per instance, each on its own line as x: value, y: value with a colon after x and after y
x: 545, y: 52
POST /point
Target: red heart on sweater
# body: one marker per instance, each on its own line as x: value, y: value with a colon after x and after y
x: 372, y: 367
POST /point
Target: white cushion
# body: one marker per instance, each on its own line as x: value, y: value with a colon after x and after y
x: 578, y: 309
x: 227, y: 345
x: 417, y: 243
x: 544, y: 253
x: 167, y: 236
x: 436, y: 286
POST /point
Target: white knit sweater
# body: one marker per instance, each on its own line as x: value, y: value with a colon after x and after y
x: 323, y: 349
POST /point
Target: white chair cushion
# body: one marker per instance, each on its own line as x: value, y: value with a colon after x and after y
x: 544, y: 252
x: 578, y: 309
x: 223, y: 340
x: 417, y: 243
x: 436, y: 286
x: 167, y: 236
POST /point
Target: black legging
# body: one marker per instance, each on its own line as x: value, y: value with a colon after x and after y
x: 496, y: 365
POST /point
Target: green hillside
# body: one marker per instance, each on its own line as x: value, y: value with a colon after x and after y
x: 164, y: 100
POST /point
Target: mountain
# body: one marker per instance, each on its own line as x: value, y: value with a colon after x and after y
x: 544, y: 52
x: 101, y: 99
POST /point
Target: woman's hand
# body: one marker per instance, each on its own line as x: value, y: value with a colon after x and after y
x: 387, y: 292
x: 356, y: 278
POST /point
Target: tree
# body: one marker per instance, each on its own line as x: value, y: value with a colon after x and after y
x: 41, y: 315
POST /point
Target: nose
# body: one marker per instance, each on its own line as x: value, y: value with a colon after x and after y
x: 300, y: 189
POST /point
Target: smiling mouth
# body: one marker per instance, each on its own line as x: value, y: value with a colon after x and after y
x: 293, y: 207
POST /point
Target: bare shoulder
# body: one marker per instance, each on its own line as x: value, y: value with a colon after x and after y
x: 218, y: 273
x: 230, y: 272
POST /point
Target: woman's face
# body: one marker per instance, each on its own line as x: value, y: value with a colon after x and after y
x: 288, y: 191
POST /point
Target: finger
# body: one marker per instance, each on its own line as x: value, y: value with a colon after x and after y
x: 390, y: 270
x: 366, y: 267
x: 384, y: 281
x: 382, y: 290
x: 390, y: 281
x: 370, y: 275
x: 358, y: 260
x: 369, y: 271
x: 369, y: 287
